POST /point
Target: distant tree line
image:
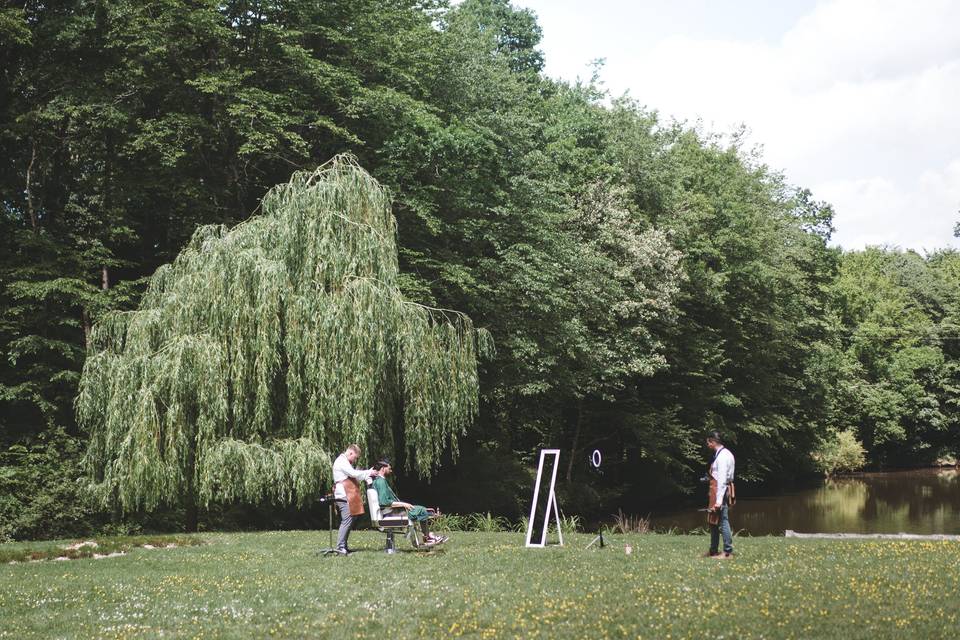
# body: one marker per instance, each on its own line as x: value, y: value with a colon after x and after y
x: 643, y: 280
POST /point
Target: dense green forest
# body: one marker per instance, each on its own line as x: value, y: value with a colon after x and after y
x: 643, y: 280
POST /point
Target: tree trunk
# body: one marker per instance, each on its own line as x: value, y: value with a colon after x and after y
x: 576, y: 440
x: 87, y: 328
x: 191, y: 513
x: 191, y: 516
x: 29, y: 190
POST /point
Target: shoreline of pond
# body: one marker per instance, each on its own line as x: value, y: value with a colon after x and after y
x: 921, y: 500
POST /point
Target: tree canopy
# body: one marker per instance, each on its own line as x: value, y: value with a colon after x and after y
x: 643, y: 280
x: 264, y: 348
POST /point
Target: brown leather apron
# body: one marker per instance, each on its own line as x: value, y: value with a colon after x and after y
x: 713, y: 517
x: 352, y: 488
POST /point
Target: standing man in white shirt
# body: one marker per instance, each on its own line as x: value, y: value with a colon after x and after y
x: 722, y: 495
x: 347, y: 493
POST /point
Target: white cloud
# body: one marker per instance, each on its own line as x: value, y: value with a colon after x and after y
x: 946, y: 182
x: 857, y: 100
x: 919, y: 214
x: 866, y: 40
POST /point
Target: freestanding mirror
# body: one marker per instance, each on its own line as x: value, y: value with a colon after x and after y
x: 544, y: 504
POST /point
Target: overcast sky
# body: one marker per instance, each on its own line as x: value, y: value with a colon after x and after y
x: 857, y: 100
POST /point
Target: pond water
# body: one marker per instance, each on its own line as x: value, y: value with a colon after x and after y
x: 921, y: 501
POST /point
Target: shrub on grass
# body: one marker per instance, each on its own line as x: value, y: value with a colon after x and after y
x: 570, y: 524
x: 623, y: 523
x: 486, y: 523
x: 450, y: 522
x: 40, y: 497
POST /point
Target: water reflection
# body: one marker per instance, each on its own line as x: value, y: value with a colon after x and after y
x: 925, y: 501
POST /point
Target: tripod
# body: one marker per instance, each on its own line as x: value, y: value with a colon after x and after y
x: 328, y: 500
x: 598, y: 538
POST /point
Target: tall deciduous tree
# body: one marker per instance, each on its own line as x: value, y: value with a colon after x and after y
x: 262, y: 349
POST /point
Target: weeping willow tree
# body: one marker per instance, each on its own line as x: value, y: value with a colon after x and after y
x: 263, y: 349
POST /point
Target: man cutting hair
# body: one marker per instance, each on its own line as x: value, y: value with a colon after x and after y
x: 346, y: 492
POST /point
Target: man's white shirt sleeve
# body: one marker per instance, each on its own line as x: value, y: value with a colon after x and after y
x: 722, y: 471
x: 342, y: 469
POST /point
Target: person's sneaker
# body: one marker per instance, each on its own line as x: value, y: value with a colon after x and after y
x: 710, y: 554
x: 343, y: 552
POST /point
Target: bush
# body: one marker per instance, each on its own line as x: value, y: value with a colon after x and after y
x: 450, y: 522
x: 840, y: 452
x: 568, y: 524
x: 40, y: 493
x: 622, y: 523
x: 946, y: 460
x: 486, y: 523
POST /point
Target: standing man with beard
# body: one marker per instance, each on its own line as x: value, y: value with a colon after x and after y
x: 722, y: 496
x: 346, y: 492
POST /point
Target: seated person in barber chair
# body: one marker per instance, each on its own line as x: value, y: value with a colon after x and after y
x: 388, y: 499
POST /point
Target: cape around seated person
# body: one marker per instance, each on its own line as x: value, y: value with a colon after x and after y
x: 388, y: 500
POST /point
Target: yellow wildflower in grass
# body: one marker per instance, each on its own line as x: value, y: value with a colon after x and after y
x: 489, y: 586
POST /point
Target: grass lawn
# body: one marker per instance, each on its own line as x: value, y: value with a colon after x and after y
x: 262, y: 585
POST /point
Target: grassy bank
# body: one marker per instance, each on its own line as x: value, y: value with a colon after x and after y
x: 489, y: 586
x: 90, y: 547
